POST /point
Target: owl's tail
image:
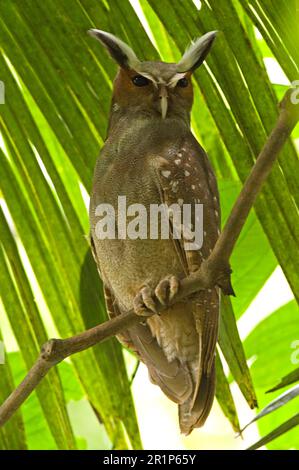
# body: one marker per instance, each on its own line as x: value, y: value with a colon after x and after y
x: 194, y: 412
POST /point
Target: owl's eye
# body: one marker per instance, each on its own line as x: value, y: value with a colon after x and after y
x: 183, y: 82
x: 140, y: 80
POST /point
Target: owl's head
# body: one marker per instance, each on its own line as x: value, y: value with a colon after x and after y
x: 154, y: 88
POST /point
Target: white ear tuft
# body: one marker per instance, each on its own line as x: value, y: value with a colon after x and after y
x: 119, y: 50
x: 196, y: 53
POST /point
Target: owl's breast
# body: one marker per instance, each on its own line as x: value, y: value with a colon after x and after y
x: 129, y: 260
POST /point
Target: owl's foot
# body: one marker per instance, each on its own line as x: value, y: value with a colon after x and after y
x: 146, y: 301
x: 167, y: 289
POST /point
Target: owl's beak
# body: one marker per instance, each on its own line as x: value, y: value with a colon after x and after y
x: 163, y: 95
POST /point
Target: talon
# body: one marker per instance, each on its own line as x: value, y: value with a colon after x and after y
x: 174, y: 287
x: 167, y: 289
x: 161, y: 291
x: 144, y: 303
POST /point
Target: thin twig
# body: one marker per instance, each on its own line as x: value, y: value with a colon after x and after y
x: 214, y: 271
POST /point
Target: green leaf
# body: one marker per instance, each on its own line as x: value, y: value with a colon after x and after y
x: 232, y: 349
x: 279, y: 28
x: 279, y: 431
x: 281, y: 400
x: 12, y: 435
x: 269, y: 346
x: 286, y: 380
x: 224, y: 396
x: 38, y: 432
x: 26, y: 324
x: 250, y: 272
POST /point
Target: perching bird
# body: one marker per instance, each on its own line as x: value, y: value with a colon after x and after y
x: 151, y: 157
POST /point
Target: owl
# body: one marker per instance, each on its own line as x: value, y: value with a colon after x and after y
x: 151, y: 158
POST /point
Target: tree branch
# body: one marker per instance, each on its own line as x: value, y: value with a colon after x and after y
x: 213, y: 271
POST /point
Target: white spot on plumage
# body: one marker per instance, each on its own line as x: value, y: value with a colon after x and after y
x: 177, y: 162
x: 187, y: 173
x: 193, y: 186
x: 166, y: 173
x: 174, y: 186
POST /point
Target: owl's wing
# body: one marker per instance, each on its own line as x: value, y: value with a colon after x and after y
x: 185, y: 176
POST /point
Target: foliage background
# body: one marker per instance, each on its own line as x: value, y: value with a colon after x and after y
x: 58, y: 85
